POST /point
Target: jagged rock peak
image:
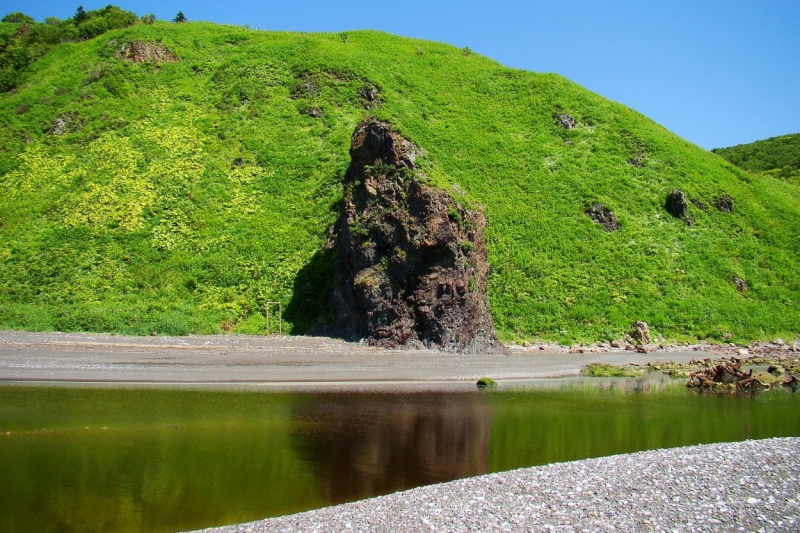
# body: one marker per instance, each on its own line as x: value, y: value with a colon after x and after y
x: 412, y: 263
x: 375, y: 141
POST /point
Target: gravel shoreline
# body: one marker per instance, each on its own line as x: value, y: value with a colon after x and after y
x: 307, y: 363
x: 740, y: 486
x: 303, y: 363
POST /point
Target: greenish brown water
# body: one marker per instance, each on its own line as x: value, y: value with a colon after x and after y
x: 156, y: 459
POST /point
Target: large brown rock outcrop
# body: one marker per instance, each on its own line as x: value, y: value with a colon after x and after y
x: 412, y: 267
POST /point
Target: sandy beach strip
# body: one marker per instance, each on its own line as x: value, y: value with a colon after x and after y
x: 741, y: 486
x: 282, y: 362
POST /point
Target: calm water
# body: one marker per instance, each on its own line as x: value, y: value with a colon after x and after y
x: 109, y: 459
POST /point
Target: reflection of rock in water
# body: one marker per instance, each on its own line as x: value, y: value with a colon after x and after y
x: 363, y: 445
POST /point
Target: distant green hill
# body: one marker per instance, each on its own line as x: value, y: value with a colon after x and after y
x: 778, y: 157
x: 176, y: 177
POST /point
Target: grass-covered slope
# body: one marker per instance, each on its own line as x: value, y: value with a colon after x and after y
x: 181, y: 196
x: 777, y: 156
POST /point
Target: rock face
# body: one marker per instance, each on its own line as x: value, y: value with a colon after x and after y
x: 640, y: 332
x: 412, y: 267
x: 565, y: 121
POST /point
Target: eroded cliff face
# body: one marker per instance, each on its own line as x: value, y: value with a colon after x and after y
x: 412, y: 264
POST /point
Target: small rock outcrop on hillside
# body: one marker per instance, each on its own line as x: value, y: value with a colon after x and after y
x: 676, y: 203
x: 370, y: 96
x: 739, y: 283
x: 145, y: 52
x: 638, y: 159
x: 601, y: 214
x: 565, y: 121
x: 724, y: 203
x: 699, y: 204
x: 640, y: 332
x: 61, y: 126
x: 412, y: 267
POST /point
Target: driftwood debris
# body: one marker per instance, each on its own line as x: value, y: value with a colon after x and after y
x: 729, y: 375
x: 791, y: 383
x: 725, y: 373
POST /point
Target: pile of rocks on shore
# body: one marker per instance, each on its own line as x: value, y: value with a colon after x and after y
x: 769, y: 349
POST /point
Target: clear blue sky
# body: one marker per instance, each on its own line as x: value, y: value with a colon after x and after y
x: 717, y: 73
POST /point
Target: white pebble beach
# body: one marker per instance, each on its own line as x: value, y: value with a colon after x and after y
x: 740, y: 486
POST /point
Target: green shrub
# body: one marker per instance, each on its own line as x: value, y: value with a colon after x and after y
x: 17, y: 18
x: 19, y: 50
x: 602, y: 370
x: 778, y: 156
x: 486, y: 383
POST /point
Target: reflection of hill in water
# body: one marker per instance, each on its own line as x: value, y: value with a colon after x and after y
x: 361, y: 445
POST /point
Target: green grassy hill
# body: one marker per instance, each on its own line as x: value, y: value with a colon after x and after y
x: 180, y: 196
x: 777, y: 156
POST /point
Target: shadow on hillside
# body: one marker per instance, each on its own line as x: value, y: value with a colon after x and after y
x: 311, y: 309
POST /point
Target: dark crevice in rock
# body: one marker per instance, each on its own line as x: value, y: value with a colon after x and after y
x: 411, y: 270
